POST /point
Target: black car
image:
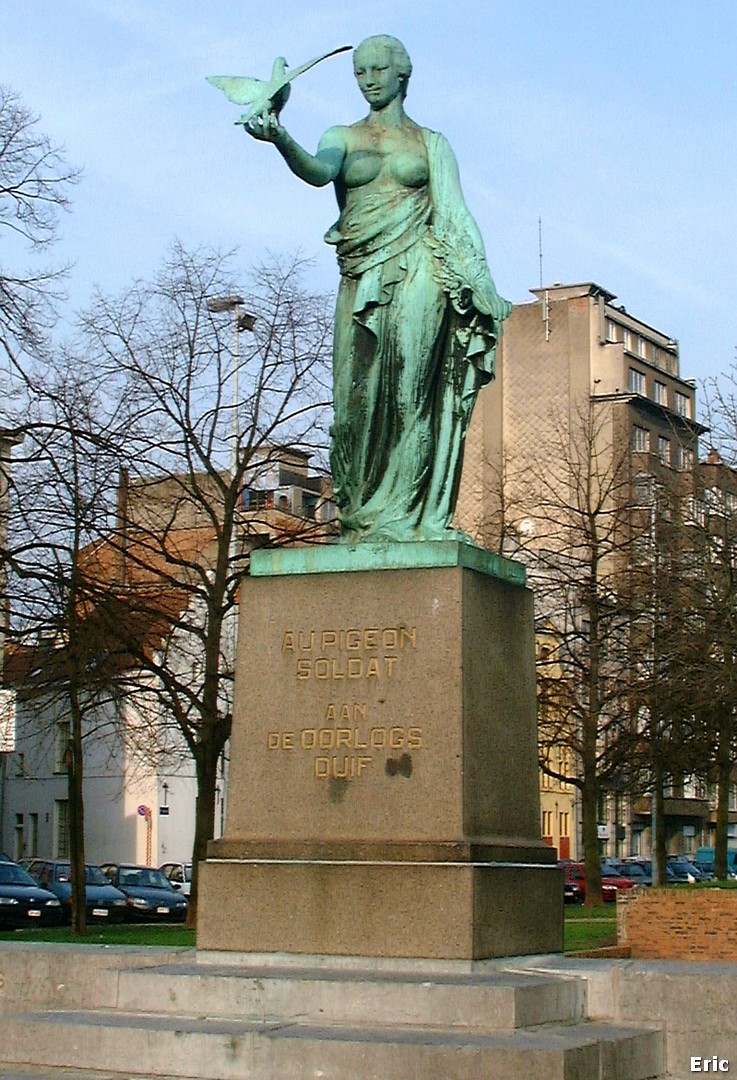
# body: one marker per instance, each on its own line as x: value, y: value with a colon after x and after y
x: 22, y: 900
x: 103, y: 902
x: 149, y: 895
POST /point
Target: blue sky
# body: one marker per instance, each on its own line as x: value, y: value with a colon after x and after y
x: 616, y: 124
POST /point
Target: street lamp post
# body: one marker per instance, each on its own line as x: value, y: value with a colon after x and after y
x: 242, y: 320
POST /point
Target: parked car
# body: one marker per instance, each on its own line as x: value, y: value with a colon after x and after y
x: 149, y: 895
x: 22, y: 900
x: 179, y: 874
x: 704, y: 861
x: 29, y: 863
x: 674, y: 875
x: 574, y: 881
x: 610, y: 881
x: 681, y: 871
x: 103, y: 902
x: 639, y: 870
x: 573, y: 892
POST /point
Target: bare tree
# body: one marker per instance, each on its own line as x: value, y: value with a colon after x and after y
x: 192, y: 444
x: 669, y: 742
x: 710, y: 632
x: 34, y: 186
x: 62, y: 482
x: 568, y: 517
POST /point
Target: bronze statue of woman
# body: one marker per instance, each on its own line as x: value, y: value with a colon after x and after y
x: 417, y: 316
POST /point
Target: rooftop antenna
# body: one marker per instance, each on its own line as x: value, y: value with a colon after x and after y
x: 540, y: 247
x: 546, y: 299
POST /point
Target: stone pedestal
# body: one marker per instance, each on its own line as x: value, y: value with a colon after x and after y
x: 383, y: 790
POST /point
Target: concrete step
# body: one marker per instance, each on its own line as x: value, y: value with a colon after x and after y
x: 478, y: 1001
x: 45, y: 1072
x: 230, y: 1049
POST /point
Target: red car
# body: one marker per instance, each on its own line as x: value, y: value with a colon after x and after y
x: 610, y: 880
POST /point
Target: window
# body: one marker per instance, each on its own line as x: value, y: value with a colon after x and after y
x: 644, y: 489
x: 664, y: 450
x: 682, y: 404
x: 684, y: 457
x: 545, y: 780
x: 32, y: 845
x: 636, y: 381
x: 700, y: 789
x: 641, y: 347
x: 257, y: 499
x: 714, y: 500
x: 19, y: 843
x: 613, y: 331
x: 565, y: 823
x: 309, y: 505
x: 566, y: 764
x: 61, y: 829
x: 697, y: 511
x: 640, y: 440
x: 660, y: 393
x: 642, y: 548
x: 627, y: 338
x: 547, y: 822
x: 63, y: 739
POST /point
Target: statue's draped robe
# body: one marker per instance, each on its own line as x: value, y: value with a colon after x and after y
x: 414, y: 342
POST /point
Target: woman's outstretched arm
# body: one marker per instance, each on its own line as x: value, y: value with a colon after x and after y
x: 317, y: 169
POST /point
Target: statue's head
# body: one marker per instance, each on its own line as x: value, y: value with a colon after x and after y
x: 390, y: 47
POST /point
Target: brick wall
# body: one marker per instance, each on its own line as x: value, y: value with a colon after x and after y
x: 678, y: 923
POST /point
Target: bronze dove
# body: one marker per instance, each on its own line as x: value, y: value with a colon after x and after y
x: 263, y: 96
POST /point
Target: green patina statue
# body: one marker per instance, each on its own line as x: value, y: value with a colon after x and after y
x: 417, y: 316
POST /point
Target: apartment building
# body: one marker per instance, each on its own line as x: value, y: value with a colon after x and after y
x: 589, y: 402
x: 568, y: 348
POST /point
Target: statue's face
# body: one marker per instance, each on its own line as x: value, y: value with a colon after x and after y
x: 377, y: 77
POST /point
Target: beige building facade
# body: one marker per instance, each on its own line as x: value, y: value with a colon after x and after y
x: 579, y: 380
x: 568, y: 348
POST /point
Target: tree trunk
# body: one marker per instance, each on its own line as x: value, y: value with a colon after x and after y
x: 590, y: 812
x: 660, y: 876
x: 75, y: 768
x: 591, y: 787
x: 590, y: 830
x: 206, y: 764
x: 724, y: 783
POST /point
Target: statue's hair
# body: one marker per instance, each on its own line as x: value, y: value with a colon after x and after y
x: 399, y: 55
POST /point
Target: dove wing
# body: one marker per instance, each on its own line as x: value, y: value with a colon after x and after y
x: 311, y: 63
x: 238, y: 88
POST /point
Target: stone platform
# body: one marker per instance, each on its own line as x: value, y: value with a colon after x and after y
x: 293, y: 1018
x: 383, y: 788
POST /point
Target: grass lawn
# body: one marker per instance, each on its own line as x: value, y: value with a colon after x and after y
x: 123, y: 934
x: 585, y: 928
x: 589, y: 928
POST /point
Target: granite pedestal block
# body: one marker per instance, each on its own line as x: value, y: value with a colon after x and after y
x: 383, y: 791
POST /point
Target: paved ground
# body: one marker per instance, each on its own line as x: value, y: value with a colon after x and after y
x: 34, y: 1072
